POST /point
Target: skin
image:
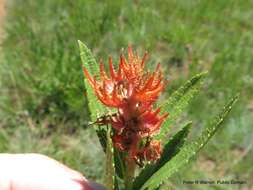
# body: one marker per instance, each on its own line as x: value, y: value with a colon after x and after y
x: 39, y: 172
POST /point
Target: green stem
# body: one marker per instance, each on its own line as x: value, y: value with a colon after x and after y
x: 129, y: 177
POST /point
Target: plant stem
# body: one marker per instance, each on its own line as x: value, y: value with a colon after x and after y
x: 130, y: 171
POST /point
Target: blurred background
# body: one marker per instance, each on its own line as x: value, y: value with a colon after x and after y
x: 42, y: 104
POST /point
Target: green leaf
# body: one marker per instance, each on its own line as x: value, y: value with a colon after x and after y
x: 188, y: 151
x: 118, y: 156
x: 120, y: 166
x: 170, y: 149
x: 110, y: 169
x: 178, y: 101
x: 88, y: 59
x: 101, y: 133
x: 174, y: 145
x: 95, y: 107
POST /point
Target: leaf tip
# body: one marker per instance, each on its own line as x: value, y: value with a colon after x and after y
x: 80, y: 44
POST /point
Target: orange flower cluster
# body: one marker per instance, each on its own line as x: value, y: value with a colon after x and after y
x: 133, y: 91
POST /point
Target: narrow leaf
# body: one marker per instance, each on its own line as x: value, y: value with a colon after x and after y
x: 120, y: 166
x: 188, y: 151
x: 170, y: 149
x: 174, y: 145
x: 178, y: 101
x: 95, y: 107
x: 110, y: 169
x: 88, y: 59
x: 101, y: 133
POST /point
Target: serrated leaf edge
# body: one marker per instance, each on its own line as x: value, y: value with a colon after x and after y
x: 184, y: 155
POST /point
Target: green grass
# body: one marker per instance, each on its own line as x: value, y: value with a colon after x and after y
x: 42, y: 105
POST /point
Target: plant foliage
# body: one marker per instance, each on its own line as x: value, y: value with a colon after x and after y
x: 110, y: 169
x: 178, y: 101
x: 176, y: 152
x: 95, y: 107
x: 189, y: 150
x: 170, y: 149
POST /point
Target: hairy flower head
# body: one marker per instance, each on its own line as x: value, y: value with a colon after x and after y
x: 130, y: 84
x: 132, y: 90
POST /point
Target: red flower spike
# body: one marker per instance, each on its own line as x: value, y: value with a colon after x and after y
x: 112, y: 72
x: 131, y: 90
